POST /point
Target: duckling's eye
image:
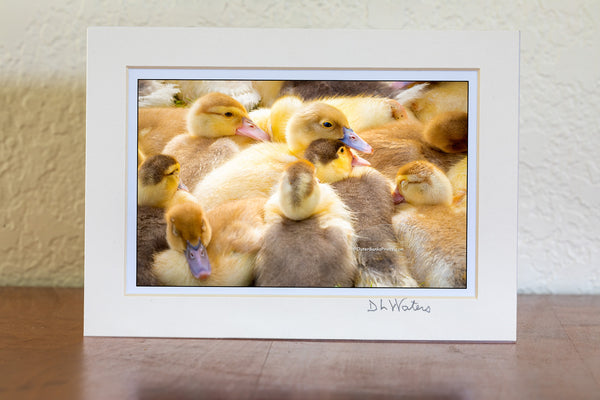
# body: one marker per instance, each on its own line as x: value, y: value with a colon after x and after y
x: 341, y: 150
x: 327, y: 124
x: 228, y: 114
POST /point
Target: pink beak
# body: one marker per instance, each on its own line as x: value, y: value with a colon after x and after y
x: 358, y: 161
x: 249, y: 129
x: 398, y: 198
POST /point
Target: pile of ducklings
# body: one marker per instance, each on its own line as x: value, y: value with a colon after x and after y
x: 319, y: 184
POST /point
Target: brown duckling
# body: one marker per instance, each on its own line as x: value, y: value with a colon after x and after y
x: 309, y: 236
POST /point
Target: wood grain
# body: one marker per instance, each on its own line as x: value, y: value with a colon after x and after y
x: 43, y: 355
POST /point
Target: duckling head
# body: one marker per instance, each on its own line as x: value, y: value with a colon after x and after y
x: 158, y: 180
x: 299, y: 191
x: 332, y: 159
x: 422, y: 183
x: 216, y: 115
x: 188, y: 232
x: 321, y: 121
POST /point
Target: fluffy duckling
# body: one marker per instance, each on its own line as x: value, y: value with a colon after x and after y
x: 439, y: 142
x: 158, y: 180
x: 431, y: 230
x: 217, y: 248
x: 333, y: 160
x: 254, y: 171
x: 363, y: 113
x: 158, y: 184
x: 428, y: 99
x: 366, y: 112
x: 366, y: 192
x: 218, y: 126
x: 274, y: 120
x: 381, y: 262
x: 309, y: 236
x: 157, y: 126
x: 448, y: 132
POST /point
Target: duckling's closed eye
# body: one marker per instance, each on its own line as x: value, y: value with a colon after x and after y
x: 228, y: 114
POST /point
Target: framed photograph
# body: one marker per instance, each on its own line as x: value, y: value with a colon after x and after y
x: 347, y: 187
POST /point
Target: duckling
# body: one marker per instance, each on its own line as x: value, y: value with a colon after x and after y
x: 409, y: 140
x: 274, y: 120
x: 309, y: 236
x: 157, y: 126
x: 366, y: 192
x: 218, y: 127
x: 333, y: 160
x: 448, y: 132
x: 381, y: 262
x: 217, y: 248
x: 428, y: 99
x: 363, y: 113
x: 158, y: 183
x: 422, y: 183
x: 254, y: 171
x: 158, y: 180
x: 431, y: 230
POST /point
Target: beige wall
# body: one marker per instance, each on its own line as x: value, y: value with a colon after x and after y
x: 42, y: 90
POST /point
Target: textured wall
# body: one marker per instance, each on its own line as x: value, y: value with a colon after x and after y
x: 42, y: 91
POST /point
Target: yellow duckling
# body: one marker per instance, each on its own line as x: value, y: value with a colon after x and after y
x: 431, y: 230
x: 217, y: 248
x: 363, y: 112
x: 309, y: 236
x: 333, y: 160
x: 254, y: 171
x: 218, y: 126
x: 159, y: 183
x: 274, y: 120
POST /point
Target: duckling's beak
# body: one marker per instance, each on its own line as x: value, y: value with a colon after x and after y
x: 197, y: 260
x: 249, y: 128
x: 182, y: 186
x: 351, y: 139
x: 358, y: 161
x: 398, y: 198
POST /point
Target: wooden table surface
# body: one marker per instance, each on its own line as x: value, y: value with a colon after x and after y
x: 43, y: 355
